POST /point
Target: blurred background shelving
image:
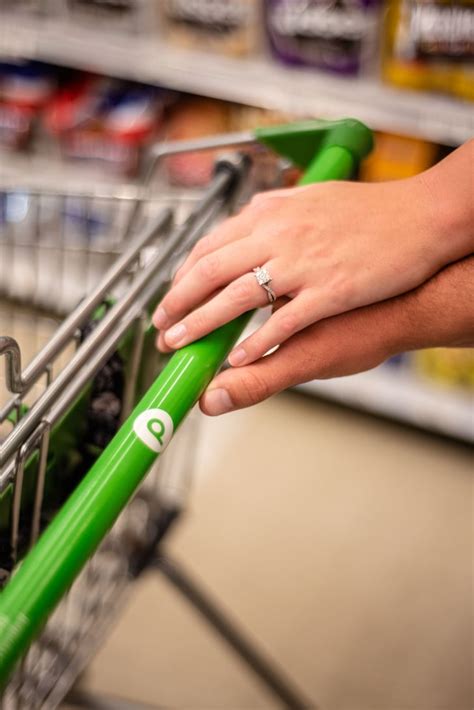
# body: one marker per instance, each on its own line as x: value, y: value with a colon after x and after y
x: 402, y: 396
x: 256, y: 81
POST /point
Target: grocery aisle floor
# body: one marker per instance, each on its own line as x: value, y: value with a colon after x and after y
x: 342, y: 542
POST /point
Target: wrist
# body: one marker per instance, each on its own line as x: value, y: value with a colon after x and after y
x: 445, y: 191
x: 439, y: 313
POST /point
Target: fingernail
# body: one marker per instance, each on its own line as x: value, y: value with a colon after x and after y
x: 161, y: 346
x: 237, y: 357
x: 160, y: 317
x: 218, y: 401
x: 175, y: 334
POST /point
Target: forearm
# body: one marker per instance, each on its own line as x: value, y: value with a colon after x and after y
x: 438, y: 313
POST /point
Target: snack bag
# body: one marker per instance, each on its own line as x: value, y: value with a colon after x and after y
x: 336, y: 35
x: 106, y: 121
x: 25, y: 88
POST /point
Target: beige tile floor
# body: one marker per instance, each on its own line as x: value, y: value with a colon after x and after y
x: 343, y: 543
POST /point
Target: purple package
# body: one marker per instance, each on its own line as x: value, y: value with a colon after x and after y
x: 337, y: 35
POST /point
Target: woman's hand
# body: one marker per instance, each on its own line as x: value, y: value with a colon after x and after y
x: 329, y: 248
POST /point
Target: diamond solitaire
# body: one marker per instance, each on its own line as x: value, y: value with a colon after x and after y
x: 263, y: 279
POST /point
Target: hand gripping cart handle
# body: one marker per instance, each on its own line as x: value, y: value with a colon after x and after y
x: 326, y: 151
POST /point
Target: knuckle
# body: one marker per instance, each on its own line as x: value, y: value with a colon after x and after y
x: 202, y: 247
x: 344, y: 292
x: 328, y: 369
x: 258, y: 199
x: 288, y: 323
x: 198, y: 323
x: 263, y: 202
x: 253, y: 387
x: 173, y: 304
x: 208, y: 267
x: 275, y: 202
x: 300, y: 230
x: 240, y: 292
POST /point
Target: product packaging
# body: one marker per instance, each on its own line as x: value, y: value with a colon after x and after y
x: 397, y: 157
x: 447, y: 366
x: 227, y: 26
x: 129, y: 16
x: 429, y: 44
x: 25, y: 88
x: 334, y: 35
x: 105, y: 121
x: 26, y: 7
x: 191, y: 118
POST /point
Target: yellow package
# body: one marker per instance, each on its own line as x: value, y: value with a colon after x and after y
x: 429, y: 44
x: 396, y: 157
x: 449, y: 366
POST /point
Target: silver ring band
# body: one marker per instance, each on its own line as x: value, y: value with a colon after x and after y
x: 263, y: 280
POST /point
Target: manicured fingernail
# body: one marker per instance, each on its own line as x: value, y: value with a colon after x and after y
x: 160, y: 317
x: 218, y: 401
x: 175, y: 334
x: 237, y: 357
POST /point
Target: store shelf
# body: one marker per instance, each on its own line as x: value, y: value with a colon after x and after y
x: 48, y: 171
x: 256, y: 81
x: 400, y: 395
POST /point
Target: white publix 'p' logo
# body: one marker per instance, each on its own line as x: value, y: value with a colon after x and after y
x: 155, y: 428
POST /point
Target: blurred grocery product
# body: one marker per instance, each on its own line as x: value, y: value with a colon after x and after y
x: 22, y: 6
x: 396, y: 157
x: 267, y: 166
x: 25, y: 88
x: 429, y: 44
x: 335, y: 35
x: 194, y: 117
x: 131, y: 16
x: 105, y: 121
x: 227, y: 26
x: 447, y: 366
x: 245, y: 118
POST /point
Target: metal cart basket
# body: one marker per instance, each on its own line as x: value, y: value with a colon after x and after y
x: 85, y: 497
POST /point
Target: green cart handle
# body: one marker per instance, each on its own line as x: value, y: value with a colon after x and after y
x: 51, y: 566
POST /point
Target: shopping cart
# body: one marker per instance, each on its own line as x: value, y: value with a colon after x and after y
x: 86, y: 499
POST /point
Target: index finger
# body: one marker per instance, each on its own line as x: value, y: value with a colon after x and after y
x: 232, y: 229
x: 260, y: 209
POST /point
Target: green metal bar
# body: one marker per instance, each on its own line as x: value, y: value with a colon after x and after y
x: 334, y: 160
x: 72, y: 537
x: 81, y: 524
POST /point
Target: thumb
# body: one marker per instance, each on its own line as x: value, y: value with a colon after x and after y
x: 240, y: 387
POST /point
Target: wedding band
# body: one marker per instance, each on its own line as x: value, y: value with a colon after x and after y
x: 263, y: 279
